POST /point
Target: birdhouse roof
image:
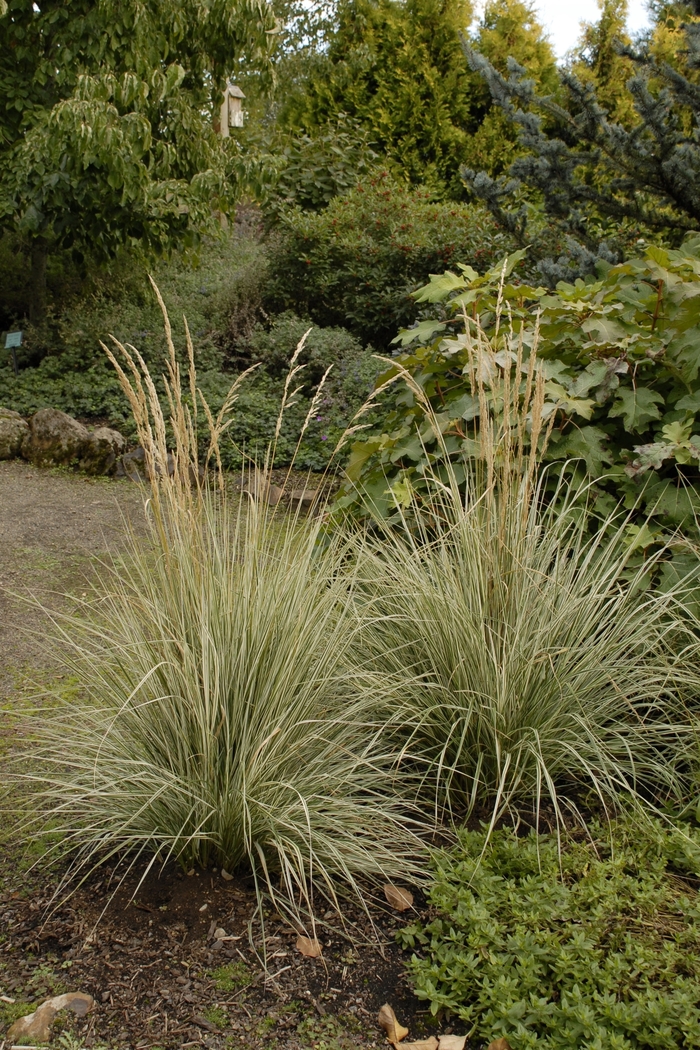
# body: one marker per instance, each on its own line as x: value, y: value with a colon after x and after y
x: 235, y: 91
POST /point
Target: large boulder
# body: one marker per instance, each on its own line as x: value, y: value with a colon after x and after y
x: 13, y: 431
x: 54, y: 438
x: 101, y: 450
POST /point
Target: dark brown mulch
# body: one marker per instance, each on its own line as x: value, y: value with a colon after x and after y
x: 146, y: 956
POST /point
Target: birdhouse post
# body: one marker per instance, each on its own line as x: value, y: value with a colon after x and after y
x: 231, y: 110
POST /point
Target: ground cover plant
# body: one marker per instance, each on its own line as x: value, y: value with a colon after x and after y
x: 62, y: 365
x: 593, y: 943
x: 217, y: 719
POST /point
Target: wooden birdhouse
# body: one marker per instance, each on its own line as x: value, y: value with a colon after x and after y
x: 231, y: 110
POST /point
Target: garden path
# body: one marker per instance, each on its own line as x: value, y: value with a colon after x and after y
x: 54, y: 528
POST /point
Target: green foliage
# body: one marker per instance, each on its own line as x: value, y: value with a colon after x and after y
x: 220, y: 294
x: 274, y: 346
x: 315, y: 169
x: 346, y: 388
x: 611, y: 154
x: 355, y: 263
x: 621, y: 358
x: 599, y: 61
x: 106, y: 109
x: 508, y: 30
x: 596, y: 945
x: 398, y: 70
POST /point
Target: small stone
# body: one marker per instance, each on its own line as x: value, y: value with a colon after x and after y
x: 36, y: 1027
x: 303, y: 497
x: 204, y: 907
x: 262, y: 490
x: 225, y: 875
x: 219, y: 934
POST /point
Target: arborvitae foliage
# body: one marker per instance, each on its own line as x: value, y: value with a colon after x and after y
x: 508, y: 29
x: 598, y: 60
x: 397, y: 67
x: 593, y: 173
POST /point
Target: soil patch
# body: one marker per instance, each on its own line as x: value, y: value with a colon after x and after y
x: 148, y: 960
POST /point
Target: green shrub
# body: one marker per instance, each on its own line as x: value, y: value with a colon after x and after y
x: 596, y: 945
x: 273, y: 346
x: 93, y: 393
x: 356, y: 262
x: 621, y: 353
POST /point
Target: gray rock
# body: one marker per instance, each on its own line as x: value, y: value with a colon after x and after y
x: 101, y: 449
x: 303, y: 497
x: 54, y: 438
x: 258, y: 486
x: 13, y: 431
x: 132, y: 465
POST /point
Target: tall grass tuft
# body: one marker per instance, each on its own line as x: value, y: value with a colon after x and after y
x: 219, y: 720
x: 528, y: 662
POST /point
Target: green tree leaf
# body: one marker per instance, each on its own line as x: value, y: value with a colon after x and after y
x: 637, y: 408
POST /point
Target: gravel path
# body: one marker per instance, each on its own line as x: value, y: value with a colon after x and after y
x: 54, y: 527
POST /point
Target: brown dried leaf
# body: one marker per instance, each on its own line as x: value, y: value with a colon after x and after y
x: 422, y: 1044
x: 309, y: 947
x: 499, y: 1044
x: 400, y: 900
x: 395, y: 1032
x: 451, y: 1042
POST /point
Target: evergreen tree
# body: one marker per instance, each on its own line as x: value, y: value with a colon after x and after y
x: 508, y: 29
x: 590, y: 172
x: 397, y: 68
x: 598, y: 60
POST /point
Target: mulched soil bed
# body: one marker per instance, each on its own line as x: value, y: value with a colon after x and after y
x: 146, y: 956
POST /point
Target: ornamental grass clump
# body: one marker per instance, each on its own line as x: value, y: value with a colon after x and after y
x: 527, y: 661
x: 217, y: 720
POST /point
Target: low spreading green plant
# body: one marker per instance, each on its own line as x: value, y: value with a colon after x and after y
x: 218, y: 719
x: 356, y: 262
x: 621, y: 355
x: 527, y: 661
x: 593, y: 944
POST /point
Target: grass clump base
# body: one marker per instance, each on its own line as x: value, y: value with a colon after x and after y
x: 596, y: 944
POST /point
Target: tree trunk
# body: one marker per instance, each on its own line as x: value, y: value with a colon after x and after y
x: 37, y: 290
